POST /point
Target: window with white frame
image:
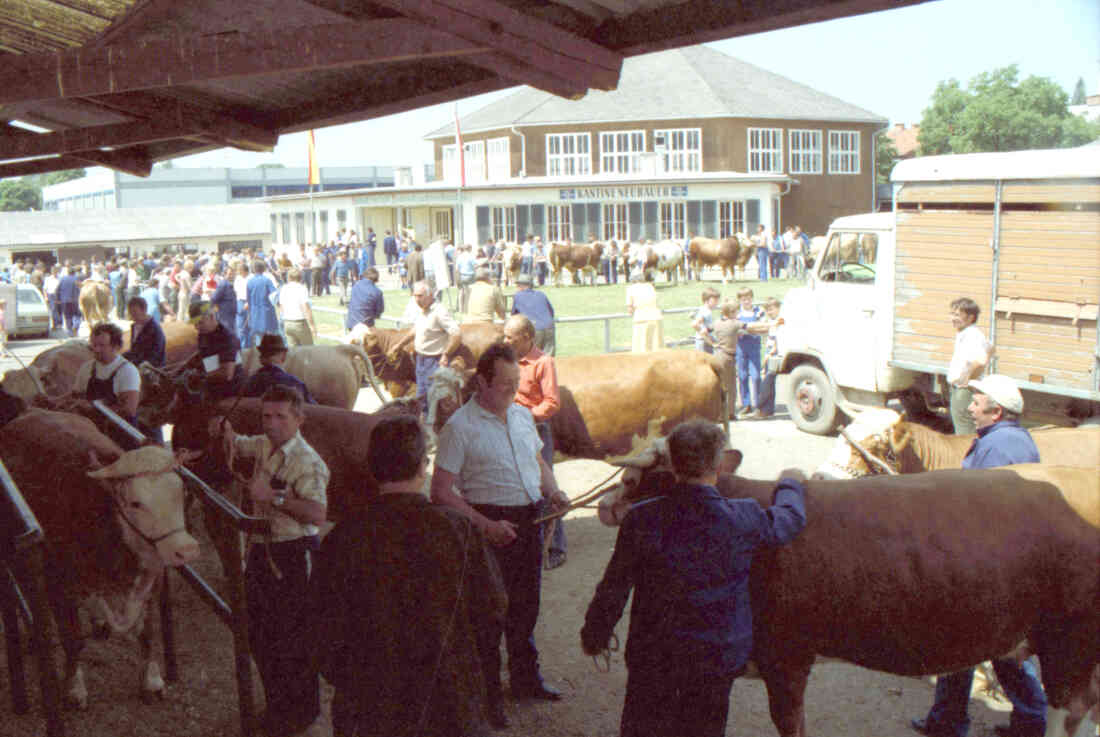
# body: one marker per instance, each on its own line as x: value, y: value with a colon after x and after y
x: 503, y: 221
x: 450, y: 163
x: 731, y: 218
x: 475, y: 161
x: 683, y: 149
x: 805, y: 152
x: 568, y: 154
x: 621, y: 151
x: 844, y: 152
x: 499, y: 159
x: 559, y: 222
x: 300, y: 228
x: 615, y: 223
x: 765, y: 149
x: 673, y: 220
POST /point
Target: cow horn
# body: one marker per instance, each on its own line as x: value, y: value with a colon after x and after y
x: 147, y: 461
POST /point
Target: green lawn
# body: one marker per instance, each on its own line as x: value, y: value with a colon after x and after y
x: 588, y: 337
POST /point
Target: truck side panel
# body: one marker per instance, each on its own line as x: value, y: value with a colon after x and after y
x: 941, y: 255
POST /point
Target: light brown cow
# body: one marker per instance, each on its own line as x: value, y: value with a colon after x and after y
x: 109, y: 532
x: 511, y: 260
x: 95, y: 301
x: 332, y: 373
x: 578, y: 258
x: 614, y: 404
x: 922, y: 573
x: 908, y: 447
x: 52, y: 371
x: 728, y: 253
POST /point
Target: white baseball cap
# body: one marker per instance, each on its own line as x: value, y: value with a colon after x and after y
x: 1002, y: 390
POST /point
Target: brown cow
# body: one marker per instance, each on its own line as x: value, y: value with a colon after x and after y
x: 577, y: 258
x: 616, y: 403
x: 109, y: 532
x: 95, y: 301
x: 908, y: 447
x: 399, y: 378
x: 920, y: 574
x: 728, y: 253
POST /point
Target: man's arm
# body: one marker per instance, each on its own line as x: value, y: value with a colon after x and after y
x: 612, y: 592
x: 548, y: 485
x: 548, y: 385
x: 499, y: 532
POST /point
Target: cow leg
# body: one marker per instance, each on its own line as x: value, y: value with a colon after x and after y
x: 151, y: 684
x: 786, y: 683
x: 67, y: 617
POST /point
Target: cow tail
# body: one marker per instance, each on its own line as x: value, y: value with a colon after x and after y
x: 355, y: 352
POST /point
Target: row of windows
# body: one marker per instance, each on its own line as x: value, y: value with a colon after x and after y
x: 319, y: 233
x: 675, y: 150
x: 615, y: 224
x: 766, y: 151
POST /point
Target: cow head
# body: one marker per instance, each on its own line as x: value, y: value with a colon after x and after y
x: 23, y: 383
x: 147, y: 498
x: 644, y: 475
x: 880, y: 432
x: 448, y: 392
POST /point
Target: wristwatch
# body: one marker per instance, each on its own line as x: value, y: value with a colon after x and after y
x: 278, y: 500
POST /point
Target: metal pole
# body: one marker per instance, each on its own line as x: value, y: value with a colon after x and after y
x: 168, y: 633
x: 996, y: 243
x: 241, y: 653
x: 607, y: 335
x: 16, y: 669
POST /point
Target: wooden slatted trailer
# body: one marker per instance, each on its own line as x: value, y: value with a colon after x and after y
x: 1020, y: 234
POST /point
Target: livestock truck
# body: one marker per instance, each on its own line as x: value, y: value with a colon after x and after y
x: 1019, y: 233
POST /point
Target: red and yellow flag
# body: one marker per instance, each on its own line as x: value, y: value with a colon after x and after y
x: 314, y: 169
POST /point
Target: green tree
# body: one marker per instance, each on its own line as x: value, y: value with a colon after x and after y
x: 997, y: 112
x: 1078, y: 93
x: 886, y: 155
x: 17, y: 194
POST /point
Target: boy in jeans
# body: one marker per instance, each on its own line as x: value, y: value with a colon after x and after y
x: 748, y: 352
x: 765, y: 405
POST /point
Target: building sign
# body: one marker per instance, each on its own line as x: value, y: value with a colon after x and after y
x: 405, y: 199
x: 626, y: 192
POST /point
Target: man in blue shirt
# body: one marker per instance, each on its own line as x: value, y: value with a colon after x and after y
x: 536, y: 306
x: 366, y: 303
x: 691, y: 623
x: 261, y: 310
x: 224, y: 298
x: 68, y: 296
x: 996, y: 407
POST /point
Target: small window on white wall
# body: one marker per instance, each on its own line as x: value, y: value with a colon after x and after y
x: 731, y: 218
x: 805, y: 152
x: 766, y: 150
x: 844, y: 152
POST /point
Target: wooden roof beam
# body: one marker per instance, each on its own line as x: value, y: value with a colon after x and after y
x: 699, y: 21
x: 535, y: 43
x: 128, y: 162
x: 147, y: 65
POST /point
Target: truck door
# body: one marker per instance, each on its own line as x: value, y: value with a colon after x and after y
x: 847, y: 304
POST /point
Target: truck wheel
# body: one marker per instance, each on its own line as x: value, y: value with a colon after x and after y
x: 811, y: 401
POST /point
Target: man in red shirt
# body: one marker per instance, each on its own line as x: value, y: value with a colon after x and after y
x: 538, y: 392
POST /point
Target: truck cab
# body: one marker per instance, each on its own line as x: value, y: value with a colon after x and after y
x: 836, y: 336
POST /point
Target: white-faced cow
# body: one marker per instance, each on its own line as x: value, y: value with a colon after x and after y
x: 923, y: 573
x: 578, y: 258
x: 109, y: 532
x: 729, y: 254
x: 664, y: 256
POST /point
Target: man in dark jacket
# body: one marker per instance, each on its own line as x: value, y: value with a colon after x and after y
x: 68, y: 296
x: 146, y: 335
x: 366, y: 303
x: 224, y: 298
x: 687, y: 556
x: 273, y: 352
x: 405, y: 591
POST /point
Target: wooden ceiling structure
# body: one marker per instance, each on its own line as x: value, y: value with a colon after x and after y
x: 126, y: 83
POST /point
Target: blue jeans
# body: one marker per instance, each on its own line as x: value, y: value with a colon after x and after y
x: 748, y: 372
x: 243, y: 331
x: 425, y: 365
x: 762, y: 262
x: 1021, y: 686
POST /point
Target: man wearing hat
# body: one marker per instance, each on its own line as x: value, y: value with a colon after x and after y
x: 273, y: 352
x: 536, y: 306
x: 995, y: 407
x: 219, y: 353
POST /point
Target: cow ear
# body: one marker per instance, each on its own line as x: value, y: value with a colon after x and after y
x: 730, y: 461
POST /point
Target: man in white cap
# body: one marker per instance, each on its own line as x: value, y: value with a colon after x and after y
x: 996, y: 407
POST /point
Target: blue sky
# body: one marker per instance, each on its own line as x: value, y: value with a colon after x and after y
x: 887, y: 62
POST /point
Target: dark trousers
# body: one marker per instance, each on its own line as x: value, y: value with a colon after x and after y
x: 120, y: 302
x: 279, y: 621
x: 660, y: 704
x: 1021, y: 685
x: 71, y: 313
x: 55, y: 313
x: 766, y: 403
x: 425, y: 365
x: 520, y: 564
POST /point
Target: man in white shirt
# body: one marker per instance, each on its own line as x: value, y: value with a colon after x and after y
x: 435, y: 338
x: 109, y: 376
x: 295, y: 310
x: 968, y: 361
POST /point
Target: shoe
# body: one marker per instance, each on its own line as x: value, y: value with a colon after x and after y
x: 754, y: 415
x: 496, y: 716
x: 744, y: 411
x: 556, y: 559
x: 538, y: 692
x: 932, y: 730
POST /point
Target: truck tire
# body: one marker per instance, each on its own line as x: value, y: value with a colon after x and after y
x: 811, y: 401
